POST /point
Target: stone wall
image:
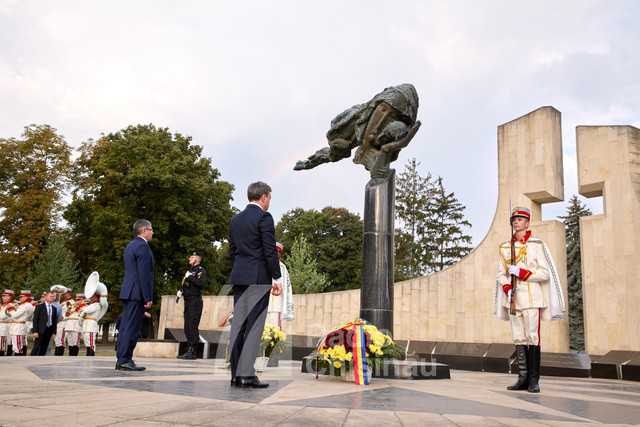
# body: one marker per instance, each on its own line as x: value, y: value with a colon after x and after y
x: 609, y: 166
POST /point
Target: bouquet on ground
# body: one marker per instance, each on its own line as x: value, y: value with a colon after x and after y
x: 357, y: 346
x: 273, y: 342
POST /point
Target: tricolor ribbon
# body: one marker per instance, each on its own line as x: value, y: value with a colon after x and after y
x: 359, y: 346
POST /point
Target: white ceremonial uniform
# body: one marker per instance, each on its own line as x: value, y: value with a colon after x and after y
x: 72, y: 328
x: 538, y: 293
x: 62, y: 324
x: 5, y: 325
x: 89, y: 316
x: 281, y: 306
x: 19, y: 327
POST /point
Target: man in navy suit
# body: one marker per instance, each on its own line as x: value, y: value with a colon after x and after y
x: 136, y: 293
x: 256, y: 271
x: 44, y: 324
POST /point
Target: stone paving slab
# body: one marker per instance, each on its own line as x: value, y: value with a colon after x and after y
x: 44, y: 390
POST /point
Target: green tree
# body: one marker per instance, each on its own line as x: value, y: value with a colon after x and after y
x: 574, y: 271
x: 34, y: 173
x: 414, y: 194
x: 55, y: 266
x: 146, y: 172
x: 303, y: 271
x: 449, y: 242
x: 334, y: 236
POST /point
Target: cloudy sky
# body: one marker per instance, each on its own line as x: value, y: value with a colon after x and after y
x: 256, y: 83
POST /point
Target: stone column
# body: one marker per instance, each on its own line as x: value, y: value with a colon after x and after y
x: 376, y: 293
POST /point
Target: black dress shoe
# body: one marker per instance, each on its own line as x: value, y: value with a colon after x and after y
x: 252, y: 382
x: 130, y: 366
x: 235, y: 382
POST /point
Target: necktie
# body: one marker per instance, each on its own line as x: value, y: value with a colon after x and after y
x: 48, y: 315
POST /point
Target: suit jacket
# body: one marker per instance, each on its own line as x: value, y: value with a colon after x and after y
x: 40, y: 318
x: 138, y: 272
x: 252, y: 248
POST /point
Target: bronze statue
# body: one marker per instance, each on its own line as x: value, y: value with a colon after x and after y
x: 379, y: 128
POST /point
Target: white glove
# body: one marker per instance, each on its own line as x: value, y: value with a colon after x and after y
x: 179, y: 294
x: 187, y: 274
x: 509, y: 295
x: 514, y: 270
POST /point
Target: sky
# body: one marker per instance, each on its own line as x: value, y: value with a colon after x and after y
x: 257, y: 83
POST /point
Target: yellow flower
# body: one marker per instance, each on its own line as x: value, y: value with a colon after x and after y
x: 337, y: 364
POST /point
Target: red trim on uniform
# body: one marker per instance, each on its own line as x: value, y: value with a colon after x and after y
x: 539, y: 315
x: 524, y: 274
x: 506, y: 288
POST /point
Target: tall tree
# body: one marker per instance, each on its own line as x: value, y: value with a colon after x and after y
x: 414, y: 195
x: 574, y: 271
x: 449, y: 242
x: 335, y: 239
x: 34, y: 172
x: 303, y: 270
x: 146, y: 172
x: 55, y: 266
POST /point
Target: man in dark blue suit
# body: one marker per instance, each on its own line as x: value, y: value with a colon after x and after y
x: 136, y: 293
x: 44, y: 324
x: 256, y: 271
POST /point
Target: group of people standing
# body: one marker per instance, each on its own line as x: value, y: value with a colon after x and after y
x: 255, y: 275
x: 60, y: 323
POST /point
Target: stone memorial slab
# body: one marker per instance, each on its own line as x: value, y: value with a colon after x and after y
x: 564, y: 365
x: 609, y: 365
x: 498, y: 358
x: 459, y: 355
x: 631, y: 369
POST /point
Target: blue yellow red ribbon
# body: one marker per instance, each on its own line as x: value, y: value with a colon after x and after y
x: 359, y: 346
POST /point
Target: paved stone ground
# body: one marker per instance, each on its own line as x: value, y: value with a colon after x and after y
x: 47, y: 391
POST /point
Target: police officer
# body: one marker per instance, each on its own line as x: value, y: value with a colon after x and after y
x: 192, y: 285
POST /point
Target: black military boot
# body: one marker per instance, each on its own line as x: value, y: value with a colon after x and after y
x: 523, y: 377
x: 90, y: 352
x: 534, y: 369
x: 190, y: 354
x: 24, y: 351
x: 59, y: 351
x: 74, y: 350
x: 9, y: 350
x: 1, y: 353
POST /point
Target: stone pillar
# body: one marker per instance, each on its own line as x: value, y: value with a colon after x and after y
x: 376, y: 293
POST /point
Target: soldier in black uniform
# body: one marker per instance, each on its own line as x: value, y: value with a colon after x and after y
x: 192, y: 285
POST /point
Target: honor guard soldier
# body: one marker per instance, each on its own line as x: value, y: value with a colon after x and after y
x: 66, y: 305
x: 538, y: 296
x: 72, y: 326
x: 281, y: 306
x: 5, y: 323
x: 20, y: 315
x: 89, y: 315
x: 192, y: 284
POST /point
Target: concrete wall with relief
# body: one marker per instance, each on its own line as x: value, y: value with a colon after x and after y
x: 455, y: 304
x: 609, y: 166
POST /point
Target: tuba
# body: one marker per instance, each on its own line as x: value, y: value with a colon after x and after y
x: 59, y: 290
x: 94, y: 285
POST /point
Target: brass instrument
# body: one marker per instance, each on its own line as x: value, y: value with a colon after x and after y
x: 93, y: 286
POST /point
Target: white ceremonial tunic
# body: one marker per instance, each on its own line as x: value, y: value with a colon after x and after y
x: 281, y: 306
x: 538, y: 293
x: 89, y: 316
x: 5, y: 325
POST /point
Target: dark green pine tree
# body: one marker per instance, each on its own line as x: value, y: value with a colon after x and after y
x: 55, y: 266
x: 449, y: 243
x: 413, y: 196
x: 574, y: 271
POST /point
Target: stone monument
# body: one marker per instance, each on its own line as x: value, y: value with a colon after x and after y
x: 378, y: 130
